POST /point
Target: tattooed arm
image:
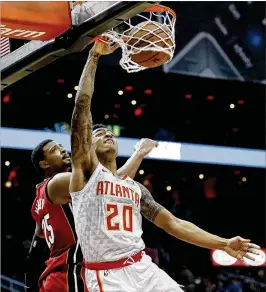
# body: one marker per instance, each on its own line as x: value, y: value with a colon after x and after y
x: 237, y: 246
x: 178, y: 228
x: 84, y: 159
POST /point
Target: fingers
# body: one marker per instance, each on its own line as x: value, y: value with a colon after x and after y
x: 242, y: 240
x: 99, y: 39
x: 114, y: 47
x: 242, y: 255
x: 248, y: 256
x: 244, y: 262
x: 147, y: 142
x: 252, y: 245
x: 253, y: 250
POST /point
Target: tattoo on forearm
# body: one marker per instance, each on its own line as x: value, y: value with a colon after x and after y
x: 149, y: 207
x: 81, y: 123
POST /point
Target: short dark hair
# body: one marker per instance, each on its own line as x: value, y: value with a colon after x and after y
x: 98, y: 126
x: 37, y: 155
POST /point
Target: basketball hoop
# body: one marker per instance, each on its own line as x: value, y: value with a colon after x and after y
x: 166, y: 17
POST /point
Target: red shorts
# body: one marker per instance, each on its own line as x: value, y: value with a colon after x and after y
x: 65, y: 281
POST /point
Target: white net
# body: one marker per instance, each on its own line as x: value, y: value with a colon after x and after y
x: 155, y: 33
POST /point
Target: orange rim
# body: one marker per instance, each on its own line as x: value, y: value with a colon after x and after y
x: 154, y: 8
x: 160, y: 8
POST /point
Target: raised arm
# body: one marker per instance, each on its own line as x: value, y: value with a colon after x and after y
x: 81, y: 122
x: 84, y: 159
x: 189, y: 232
x: 142, y: 148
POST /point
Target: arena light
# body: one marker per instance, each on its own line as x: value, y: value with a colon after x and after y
x: 76, y: 87
x: 106, y: 116
x: 201, y: 176
x: 240, y: 101
x: 141, y: 171
x: 232, y: 105
x: 25, y: 139
x: 129, y: 88
x: 60, y: 80
x: 7, y: 163
x: 221, y: 258
x: 168, y: 188
x: 69, y: 95
x: 244, y: 179
x: 148, y: 91
x: 120, y: 92
x: 138, y: 112
x: 6, y: 99
x: 8, y: 184
x: 133, y: 102
x: 146, y: 182
x: 210, y: 97
x: 188, y: 96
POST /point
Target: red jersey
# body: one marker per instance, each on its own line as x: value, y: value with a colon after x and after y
x: 57, y: 223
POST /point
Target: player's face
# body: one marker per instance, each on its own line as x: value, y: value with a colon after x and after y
x: 56, y: 156
x: 104, y: 141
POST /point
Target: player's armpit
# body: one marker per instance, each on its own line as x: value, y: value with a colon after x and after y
x: 149, y: 207
x: 58, y: 189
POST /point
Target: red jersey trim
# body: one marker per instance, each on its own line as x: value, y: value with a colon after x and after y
x: 99, y: 281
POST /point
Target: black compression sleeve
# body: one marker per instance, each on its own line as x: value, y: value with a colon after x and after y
x: 33, y: 264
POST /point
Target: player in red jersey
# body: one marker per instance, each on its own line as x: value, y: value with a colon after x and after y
x: 55, y: 222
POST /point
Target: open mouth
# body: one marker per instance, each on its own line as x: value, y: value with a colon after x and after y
x: 66, y: 156
x: 109, y: 141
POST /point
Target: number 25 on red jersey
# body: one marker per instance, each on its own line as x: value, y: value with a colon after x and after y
x: 47, y: 230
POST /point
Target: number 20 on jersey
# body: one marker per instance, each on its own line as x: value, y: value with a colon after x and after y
x: 112, y: 219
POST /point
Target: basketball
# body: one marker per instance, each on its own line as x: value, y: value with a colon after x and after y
x: 150, y: 59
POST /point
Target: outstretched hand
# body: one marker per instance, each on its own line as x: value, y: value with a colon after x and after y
x: 102, y: 47
x: 145, y: 146
x: 239, y: 248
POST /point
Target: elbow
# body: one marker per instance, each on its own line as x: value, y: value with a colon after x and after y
x: 82, y: 98
x: 174, y: 226
x: 170, y: 225
x: 39, y: 233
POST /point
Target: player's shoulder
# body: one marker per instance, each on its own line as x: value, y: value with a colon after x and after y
x: 40, y: 188
x: 143, y: 189
x: 132, y: 183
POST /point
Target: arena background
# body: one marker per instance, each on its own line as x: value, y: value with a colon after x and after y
x: 174, y: 107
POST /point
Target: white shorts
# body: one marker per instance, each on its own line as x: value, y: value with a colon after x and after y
x: 142, y: 276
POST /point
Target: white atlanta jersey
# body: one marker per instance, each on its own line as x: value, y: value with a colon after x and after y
x: 107, y: 217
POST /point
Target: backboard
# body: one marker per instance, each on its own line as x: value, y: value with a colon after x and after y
x: 88, y: 20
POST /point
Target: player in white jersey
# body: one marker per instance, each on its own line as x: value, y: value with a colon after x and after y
x: 107, y: 208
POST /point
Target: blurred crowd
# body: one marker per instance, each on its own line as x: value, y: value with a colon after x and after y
x: 224, y: 280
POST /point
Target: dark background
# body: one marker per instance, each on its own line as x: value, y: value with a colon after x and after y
x: 176, y: 108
